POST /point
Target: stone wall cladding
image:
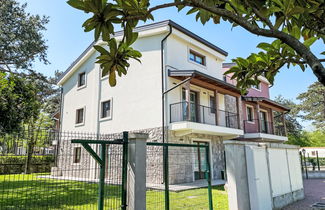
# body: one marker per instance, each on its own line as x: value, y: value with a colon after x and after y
x: 181, y: 159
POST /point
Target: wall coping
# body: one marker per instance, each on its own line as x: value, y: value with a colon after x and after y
x: 261, y: 144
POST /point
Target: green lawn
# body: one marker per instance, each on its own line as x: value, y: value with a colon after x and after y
x: 30, y: 192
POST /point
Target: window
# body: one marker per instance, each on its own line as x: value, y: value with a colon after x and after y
x: 82, y: 79
x: 257, y: 87
x: 106, y: 109
x: 76, y: 154
x: 80, y: 116
x: 249, y: 111
x: 212, y: 104
x: 197, y: 58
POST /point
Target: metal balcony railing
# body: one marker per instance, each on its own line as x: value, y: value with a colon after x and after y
x: 202, y: 114
x: 262, y: 126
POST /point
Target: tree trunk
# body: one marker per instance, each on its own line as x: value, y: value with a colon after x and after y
x: 30, y: 151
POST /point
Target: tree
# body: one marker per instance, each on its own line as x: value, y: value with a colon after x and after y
x: 313, y: 105
x: 295, y: 26
x: 19, y: 101
x: 317, y: 138
x: 21, y: 38
x: 296, y: 135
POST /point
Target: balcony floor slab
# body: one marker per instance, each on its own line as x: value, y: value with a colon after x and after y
x: 265, y: 137
x: 184, y: 128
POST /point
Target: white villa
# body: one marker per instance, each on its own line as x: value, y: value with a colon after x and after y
x: 204, y: 107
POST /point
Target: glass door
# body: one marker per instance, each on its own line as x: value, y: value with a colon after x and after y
x: 193, y: 106
x: 263, y: 122
x: 200, y: 161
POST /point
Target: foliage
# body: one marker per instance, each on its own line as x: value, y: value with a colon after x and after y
x: 312, y: 105
x: 21, y: 38
x: 295, y: 26
x: 317, y: 138
x: 19, y: 101
x: 14, y: 164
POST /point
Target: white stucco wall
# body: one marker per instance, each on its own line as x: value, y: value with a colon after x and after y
x: 136, y: 100
x: 178, y: 47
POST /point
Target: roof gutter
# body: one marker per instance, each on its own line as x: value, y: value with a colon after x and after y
x: 162, y: 81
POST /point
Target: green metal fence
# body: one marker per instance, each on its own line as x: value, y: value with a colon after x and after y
x: 89, y: 171
x: 178, y: 176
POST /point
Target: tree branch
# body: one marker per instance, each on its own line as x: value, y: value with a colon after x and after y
x: 299, y: 47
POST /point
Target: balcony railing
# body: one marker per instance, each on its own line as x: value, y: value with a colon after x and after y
x: 262, y: 126
x: 202, y: 114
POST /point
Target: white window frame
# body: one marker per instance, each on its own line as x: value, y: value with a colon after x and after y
x: 78, y: 79
x: 193, y: 62
x: 111, y: 111
x: 83, y: 119
x: 253, y: 115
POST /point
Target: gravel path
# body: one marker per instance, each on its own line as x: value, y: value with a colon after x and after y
x: 314, y: 192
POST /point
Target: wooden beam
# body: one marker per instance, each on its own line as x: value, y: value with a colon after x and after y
x: 213, y: 87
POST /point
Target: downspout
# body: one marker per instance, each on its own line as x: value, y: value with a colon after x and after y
x: 162, y: 81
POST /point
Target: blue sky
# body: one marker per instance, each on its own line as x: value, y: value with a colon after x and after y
x: 66, y: 41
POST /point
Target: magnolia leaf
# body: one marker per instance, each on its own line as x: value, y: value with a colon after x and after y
x: 101, y: 49
x: 77, y: 4
x: 310, y: 41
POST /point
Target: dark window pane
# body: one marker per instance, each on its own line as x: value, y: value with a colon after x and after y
x: 212, y: 105
x: 82, y: 79
x: 249, y: 114
x: 77, y: 155
x: 106, y: 109
x: 80, y: 116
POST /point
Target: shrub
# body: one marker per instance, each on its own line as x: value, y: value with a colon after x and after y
x: 15, y: 164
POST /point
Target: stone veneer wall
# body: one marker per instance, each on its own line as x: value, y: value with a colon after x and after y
x: 181, y: 159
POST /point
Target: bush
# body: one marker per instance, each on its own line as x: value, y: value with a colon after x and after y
x: 321, y: 161
x: 16, y: 164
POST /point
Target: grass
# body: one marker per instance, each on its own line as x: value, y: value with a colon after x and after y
x: 21, y: 191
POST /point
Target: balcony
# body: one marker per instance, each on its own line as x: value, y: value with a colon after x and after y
x: 267, y: 130
x: 188, y: 117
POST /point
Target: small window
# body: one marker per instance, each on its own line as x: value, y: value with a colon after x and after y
x: 76, y: 154
x: 80, y: 116
x: 82, y: 79
x: 249, y: 114
x: 257, y: 87
x: 212, y: 104
x: 197, y: 58
x: 106, y: 109
x: 313, y: 153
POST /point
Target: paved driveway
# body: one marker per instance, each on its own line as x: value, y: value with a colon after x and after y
x: 314, y: 192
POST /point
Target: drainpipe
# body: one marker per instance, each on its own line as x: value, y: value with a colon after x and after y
x: 162, y: 81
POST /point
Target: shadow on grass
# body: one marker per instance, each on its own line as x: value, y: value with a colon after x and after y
x: 30, y: 192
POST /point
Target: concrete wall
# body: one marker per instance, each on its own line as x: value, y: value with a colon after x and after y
x: 262, y: 175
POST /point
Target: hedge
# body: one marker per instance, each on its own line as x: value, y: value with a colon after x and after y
x: 321, y: 160
x: 16, y: 164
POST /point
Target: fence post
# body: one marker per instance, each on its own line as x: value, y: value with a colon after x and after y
x: 124, y: 170
x: 102, y: 177
x: 137, y: 155
x: 208, y: 175
x: 317, y: 160
x: 166, y: 176
x: 305, y: 166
